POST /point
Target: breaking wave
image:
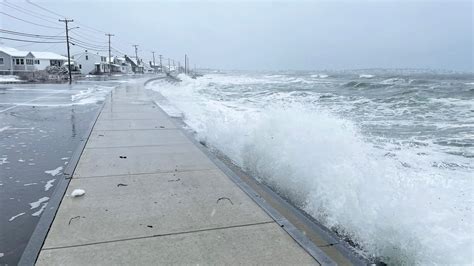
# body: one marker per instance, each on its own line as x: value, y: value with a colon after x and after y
x: 402, y: 201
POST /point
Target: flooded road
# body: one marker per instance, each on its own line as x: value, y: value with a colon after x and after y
x: 41, y: 126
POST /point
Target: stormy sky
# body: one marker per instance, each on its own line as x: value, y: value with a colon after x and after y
x: 266, y: 35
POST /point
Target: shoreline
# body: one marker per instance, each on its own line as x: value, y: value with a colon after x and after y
x: 78, y: 177
x: 298, y: 220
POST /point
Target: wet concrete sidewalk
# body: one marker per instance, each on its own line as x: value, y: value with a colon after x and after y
x: 153, y: 197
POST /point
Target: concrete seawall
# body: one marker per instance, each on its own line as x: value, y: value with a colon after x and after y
x: 153, y: 197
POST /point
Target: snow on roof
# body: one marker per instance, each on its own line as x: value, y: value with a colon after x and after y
x: 13, y: 52
x: 48, y: 55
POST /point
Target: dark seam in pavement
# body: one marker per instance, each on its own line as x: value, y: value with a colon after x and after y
x: 138, y: 129
x: 140, y: 146
x: 136, y: 146
x: 161, y: 235
x: 151, y: 173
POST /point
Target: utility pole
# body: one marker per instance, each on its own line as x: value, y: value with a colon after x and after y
x: 65, y: 20
x: 161, y: 64
x: 154, y: 65
x: 185, y: 64
x: 110, y: 54
x: 174, y: 65
x: 179, y: 67
x: 136, y: 53
x: 169, y: 66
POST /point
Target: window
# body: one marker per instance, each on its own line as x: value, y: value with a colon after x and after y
x: 57, y: 63
x: 80, y: 66
x: 87, y: 57
x: 37, y: 62
x: 22, y: 61
x: 19, y: 61
x: 1, y: 60
x: 29, y: 61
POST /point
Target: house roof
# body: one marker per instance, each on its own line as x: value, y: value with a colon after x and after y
x: 48, y: 55
x: 13, y: 52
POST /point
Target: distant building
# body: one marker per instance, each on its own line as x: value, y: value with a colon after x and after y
x: 14, y: 61
x: 90, y: 63
x: 137, y: 66
x: 156, y: 67
x: 120, y: 65
x: 45, y: 59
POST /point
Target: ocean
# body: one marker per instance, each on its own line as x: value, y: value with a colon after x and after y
x: 384, y: 158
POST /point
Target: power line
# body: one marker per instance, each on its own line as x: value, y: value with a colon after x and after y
x: 83, y: 26
x: 30, y: 35
x: 93, y: 29
x: 10, y: 5
x: 86, y: 43
x: 89, y: 48
x: 57, y: 14
x: 1, y: 12
x: 32, y: 12
x: 32, y: 41
x: 47, y: 48
x: 45, y: 9
x: 85, y: 38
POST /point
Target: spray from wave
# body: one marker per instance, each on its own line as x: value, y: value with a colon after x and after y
x: 386, y: 196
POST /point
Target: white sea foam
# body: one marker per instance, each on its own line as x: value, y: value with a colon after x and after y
x: 49, y: 184
x: 4, y: 128
x: 4, y: 160
x: 321, y: 76
x: 397, y: 207
x: 91, y: 95
x: 37, y: 203
x: 38, y: 212
x: 366, y: 76
x: 16, y: 216
x: 54, y: 172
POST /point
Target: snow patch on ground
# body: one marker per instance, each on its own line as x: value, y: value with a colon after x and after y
x: 9, y: 78
x: 78, y: 193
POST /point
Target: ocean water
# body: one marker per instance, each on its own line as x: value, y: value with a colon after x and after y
x: 384, y: 158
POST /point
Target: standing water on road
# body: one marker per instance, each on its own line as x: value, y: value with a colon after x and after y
x: 40, y: 128
x: 384, y: 158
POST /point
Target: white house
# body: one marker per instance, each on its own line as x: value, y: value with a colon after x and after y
x: 15, y: 61
x: 45, y: 59
x: 120, y: 65
x: 90, y: 63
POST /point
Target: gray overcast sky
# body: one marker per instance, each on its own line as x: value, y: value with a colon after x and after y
x: 265, y: 35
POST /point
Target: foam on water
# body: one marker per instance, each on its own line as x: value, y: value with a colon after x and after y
x: 395, y: 199
x: 91, y: 95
